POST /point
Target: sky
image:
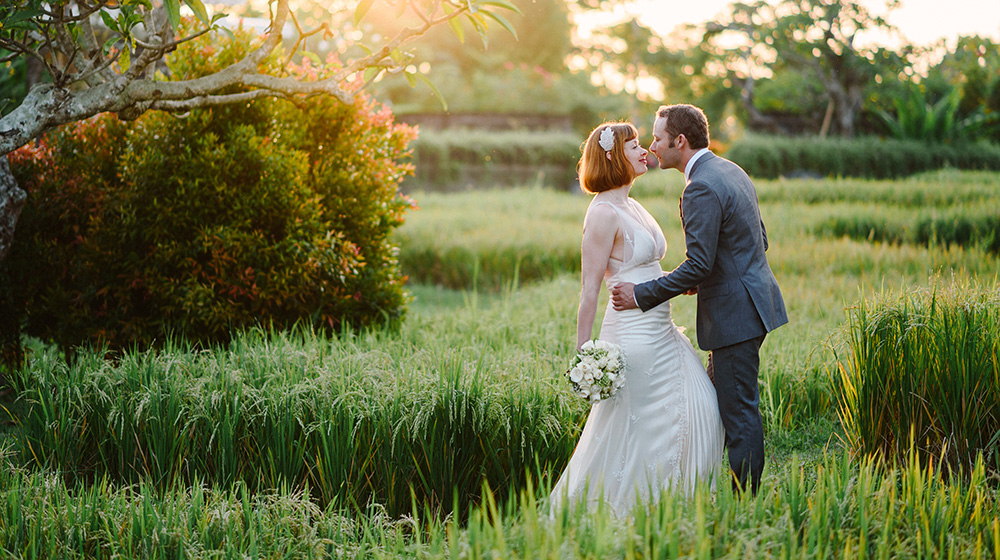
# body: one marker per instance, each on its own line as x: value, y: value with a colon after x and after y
x: 922, y: 22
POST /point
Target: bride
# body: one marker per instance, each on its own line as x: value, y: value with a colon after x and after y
x: 663, y: 428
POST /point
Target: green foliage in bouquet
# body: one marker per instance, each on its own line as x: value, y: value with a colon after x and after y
x: 263, y: 212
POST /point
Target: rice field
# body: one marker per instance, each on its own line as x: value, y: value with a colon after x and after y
x: 441, y: 438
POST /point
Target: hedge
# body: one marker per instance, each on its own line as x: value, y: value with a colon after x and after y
x: 462, y: 159
x: 869, y: 157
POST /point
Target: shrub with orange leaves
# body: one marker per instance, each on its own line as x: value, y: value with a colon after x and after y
x: 264, y: 213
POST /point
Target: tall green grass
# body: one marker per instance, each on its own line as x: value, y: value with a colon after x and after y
x: 923, y: 370
x: 944, y: 187
x: 973, y: 225
x: 870, y: 157
x: 836, y: 508
x: 485, y: 240
x: 358, y: 420
x: 294, y: 445
x: 493, y: 235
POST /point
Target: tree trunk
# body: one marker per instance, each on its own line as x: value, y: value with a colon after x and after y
x: 827, y: 119
x: 12, y: 199
x: 33, y: 71
x: 846, y: 118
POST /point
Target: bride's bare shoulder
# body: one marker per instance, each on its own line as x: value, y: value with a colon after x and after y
x: 601, y: 212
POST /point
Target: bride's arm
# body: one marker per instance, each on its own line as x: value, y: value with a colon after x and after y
x: 599, y: 230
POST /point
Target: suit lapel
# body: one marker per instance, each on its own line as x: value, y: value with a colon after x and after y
x: 694, y: 169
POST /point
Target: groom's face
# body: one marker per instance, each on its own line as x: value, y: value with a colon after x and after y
x: 664, y: 146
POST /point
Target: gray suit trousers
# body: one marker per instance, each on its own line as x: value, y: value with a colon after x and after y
x: 734, y: 369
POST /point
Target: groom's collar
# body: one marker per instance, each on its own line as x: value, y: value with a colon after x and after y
x: 690, y: 164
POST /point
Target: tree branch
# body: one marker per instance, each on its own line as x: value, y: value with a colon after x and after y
x: 403, y: 36
x: 212, y: 100
x: 131, y: 92
x: 83, y: 15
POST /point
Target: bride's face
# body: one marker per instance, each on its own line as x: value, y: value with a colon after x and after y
x: 636, y: 156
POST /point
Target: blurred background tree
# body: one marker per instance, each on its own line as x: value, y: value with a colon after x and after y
x: 958, y: 100
x: 503, y: 73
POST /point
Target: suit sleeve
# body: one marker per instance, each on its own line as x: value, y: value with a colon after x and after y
x: 702, y: 223
x: 763, y: 231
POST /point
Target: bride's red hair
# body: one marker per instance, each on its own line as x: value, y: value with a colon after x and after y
x: 597, y: 171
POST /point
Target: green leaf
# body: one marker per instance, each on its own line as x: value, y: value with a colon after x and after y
x: 110, y: 43
x: 361, y: 10
x: 24, y: 15
x: 473, y: 6
x: 502, y: 21
x: 430, y: 84
x: 456, y: 27
x: 173, y: 12
x: 109, y: 21
x: 227, y: 31
x: 198, y: 7
x: 411, y: 78
x: 371, y: 73
x: 313, y: 57
x: 480, y: 25
x: 500, y: 4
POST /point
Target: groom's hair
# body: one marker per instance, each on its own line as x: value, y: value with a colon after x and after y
x: 687, y: 120
x: 598, y: 172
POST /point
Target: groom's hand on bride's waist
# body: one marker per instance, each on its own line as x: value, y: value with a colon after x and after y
x: 623, y: 297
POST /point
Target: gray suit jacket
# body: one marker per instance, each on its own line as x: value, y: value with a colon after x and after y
x: 738, y: 296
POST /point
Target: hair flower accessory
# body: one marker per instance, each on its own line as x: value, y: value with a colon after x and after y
x: 607, y: 140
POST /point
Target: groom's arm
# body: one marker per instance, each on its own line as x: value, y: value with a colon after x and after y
x: 702, y: 222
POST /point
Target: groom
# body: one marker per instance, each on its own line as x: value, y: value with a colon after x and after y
x: 738, y: 297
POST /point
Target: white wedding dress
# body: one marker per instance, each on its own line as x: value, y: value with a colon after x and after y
x: 663, y: 428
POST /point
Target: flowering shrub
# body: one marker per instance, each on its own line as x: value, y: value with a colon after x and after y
x: 259, y: 213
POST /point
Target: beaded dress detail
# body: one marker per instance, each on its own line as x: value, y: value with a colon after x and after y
x: 663, y: 427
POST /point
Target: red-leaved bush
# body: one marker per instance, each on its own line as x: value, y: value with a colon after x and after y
x: 261, y: 213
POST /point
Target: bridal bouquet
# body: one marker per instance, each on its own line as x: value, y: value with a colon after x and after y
x: 598, y: 370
